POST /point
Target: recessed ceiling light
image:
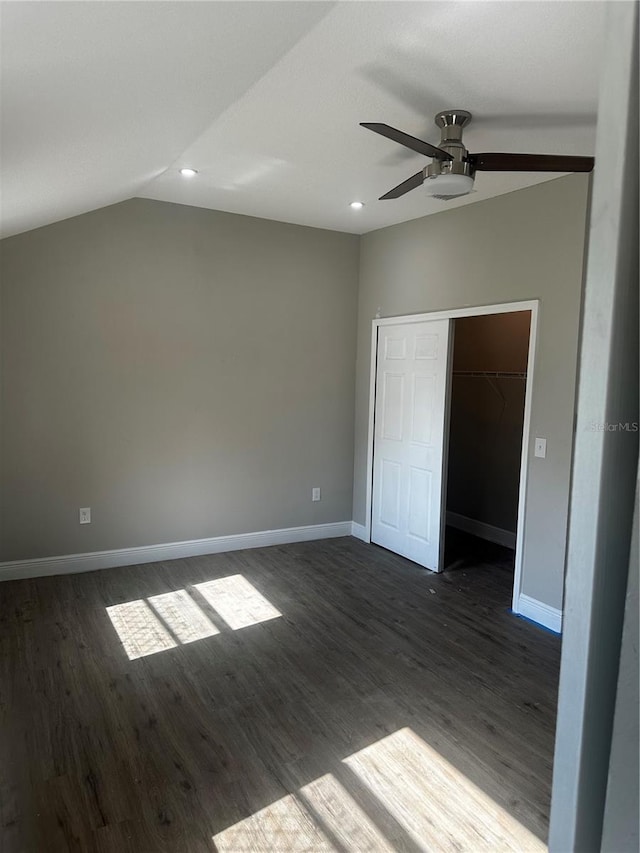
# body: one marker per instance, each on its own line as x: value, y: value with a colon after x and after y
x: 356, y: 205
x: 188, y: 173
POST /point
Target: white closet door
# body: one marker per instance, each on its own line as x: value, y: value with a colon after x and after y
x: 412, y: 389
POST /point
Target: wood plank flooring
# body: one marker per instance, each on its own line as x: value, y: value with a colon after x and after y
x: 313, y: 697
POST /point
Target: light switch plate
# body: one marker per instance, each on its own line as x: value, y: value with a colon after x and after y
x: 541, y: 448
x: 85, y: 515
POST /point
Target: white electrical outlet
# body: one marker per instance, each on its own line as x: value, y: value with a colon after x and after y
x: 541, y: 448
x: 85, y: 515
x: 315, y: 493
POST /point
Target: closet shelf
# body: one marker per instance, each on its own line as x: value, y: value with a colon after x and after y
x: 490, y: 374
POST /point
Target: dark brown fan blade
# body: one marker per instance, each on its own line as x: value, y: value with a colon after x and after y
x: 406, y: 140
x: 410, y: 184
x: 530, y: 163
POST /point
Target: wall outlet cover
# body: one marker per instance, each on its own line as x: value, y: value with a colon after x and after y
x: 541, y: 448
x: 85, y: 515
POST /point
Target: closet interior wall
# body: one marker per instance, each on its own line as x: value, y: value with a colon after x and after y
x: 487, y: 411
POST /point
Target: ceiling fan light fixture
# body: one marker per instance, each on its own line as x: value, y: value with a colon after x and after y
x: 448, y: 185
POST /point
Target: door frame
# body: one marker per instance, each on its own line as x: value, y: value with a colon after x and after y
x: 531, y: 305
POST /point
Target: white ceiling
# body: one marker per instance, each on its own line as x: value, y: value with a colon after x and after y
x: 105, y: 101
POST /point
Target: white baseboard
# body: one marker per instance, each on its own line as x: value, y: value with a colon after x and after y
x: 359, y: 531
x: 484, y: 531
x: 16, y: 569
x: 543, y: 614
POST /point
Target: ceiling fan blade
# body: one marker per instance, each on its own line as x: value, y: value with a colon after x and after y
x: 410, y: 184
x: 530, y: 163
x: 406, y: 140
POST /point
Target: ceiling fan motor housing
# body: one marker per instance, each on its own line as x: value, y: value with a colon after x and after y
x: 451, y: 177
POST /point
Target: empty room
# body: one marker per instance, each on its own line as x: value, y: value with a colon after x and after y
x: 318, y: 427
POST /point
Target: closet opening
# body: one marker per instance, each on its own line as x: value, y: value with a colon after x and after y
x: 484, y: 458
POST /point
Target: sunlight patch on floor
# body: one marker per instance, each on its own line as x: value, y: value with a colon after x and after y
x: 139, y: 629
x: 410, y: 798
x: 237, y: 601
x: 283, y: 827
x: 433, y: 801
x: 150, y: 625
x: 320, y: 817
x: 185, y: 619
x: 342, y: 818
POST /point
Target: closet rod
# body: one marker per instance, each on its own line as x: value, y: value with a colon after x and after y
x: 491, y: 374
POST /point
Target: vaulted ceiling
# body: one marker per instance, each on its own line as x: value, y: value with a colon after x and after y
x: 105, y: 101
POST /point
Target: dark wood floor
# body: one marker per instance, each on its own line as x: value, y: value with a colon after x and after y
x: 386, y: 708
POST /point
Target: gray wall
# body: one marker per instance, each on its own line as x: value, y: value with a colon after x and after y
x: 605, y: 467
x: 621, y: 826
x: 486, y: 420
x: 528, y: 244
x: 185, y: 373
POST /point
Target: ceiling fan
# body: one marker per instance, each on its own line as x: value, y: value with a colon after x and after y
x: 452, y: 172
